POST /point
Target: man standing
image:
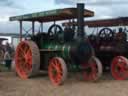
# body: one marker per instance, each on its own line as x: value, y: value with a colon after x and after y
x: 7, y: 56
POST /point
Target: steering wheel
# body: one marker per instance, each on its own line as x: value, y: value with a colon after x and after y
x: 106, y: 34
x: 54, y: 30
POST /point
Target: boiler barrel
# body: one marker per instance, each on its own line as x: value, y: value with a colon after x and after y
x: 78, y: 52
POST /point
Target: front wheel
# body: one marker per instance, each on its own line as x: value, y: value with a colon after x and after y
x: 57, y: 71
x: 119, y: 68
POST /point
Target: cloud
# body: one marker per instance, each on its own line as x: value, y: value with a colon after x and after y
x: 108, y: 8
x: 120, y: 11
x: 9, y: 27
x: 102, y: 9
x: 106, y: 2
x: 5, y: 2
x: 93, y: 2
x: 10, y: 4
x: 4, y: 18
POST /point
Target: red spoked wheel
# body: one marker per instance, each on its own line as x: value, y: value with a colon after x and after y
x: 92, y: 70
x: 27, y: 59
x: 57, y: 71
x: 119, y: 68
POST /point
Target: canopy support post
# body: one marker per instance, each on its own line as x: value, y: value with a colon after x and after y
x: 21, y: 30
x: 41, y: 27
x: 33, y: 27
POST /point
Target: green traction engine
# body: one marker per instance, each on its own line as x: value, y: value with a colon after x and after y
x: 58, y: 51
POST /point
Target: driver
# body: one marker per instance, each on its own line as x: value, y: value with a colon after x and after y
x: 121, y: 36
x: 68, y: 33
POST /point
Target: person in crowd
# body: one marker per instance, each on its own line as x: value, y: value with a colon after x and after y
x: 7, y: 56
x: 121, y: 35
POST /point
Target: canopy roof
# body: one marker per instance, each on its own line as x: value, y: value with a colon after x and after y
x: 121, y: 21
x: 52, y: 15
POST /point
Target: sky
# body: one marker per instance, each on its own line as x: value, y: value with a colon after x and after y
x: 102, y: 9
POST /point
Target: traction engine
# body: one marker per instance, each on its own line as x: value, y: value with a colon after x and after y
x: 57, y: 51
x: 111, y: 48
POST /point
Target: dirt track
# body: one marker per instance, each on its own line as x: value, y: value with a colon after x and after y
x: 10, y: 85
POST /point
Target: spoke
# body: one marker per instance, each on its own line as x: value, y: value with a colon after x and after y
x: 29, y: 60
x: 28, y: 52
x: 28, y: 66
x: 55, y: 30
x: 123, y: 68
x: 120, y: 64
x: 28, y: 56
x: 20, y: 59
x: 22, y: 51
x: 56, y: 80
x: 20, y: 55
x: 53, y: 64
x: 59, y: 71
x: 56, y: 62
x: 58, y: 67
x: 59, y: 77
x: 26, y: 48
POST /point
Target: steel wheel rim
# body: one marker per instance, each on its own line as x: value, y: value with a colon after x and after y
x: 23, y: 60
x: 119, y: 68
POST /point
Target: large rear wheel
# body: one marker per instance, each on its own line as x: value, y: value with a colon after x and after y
x: 92, y: 70
x: 27, y: 59
x: 119, y: 68
x: 57, y: 71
